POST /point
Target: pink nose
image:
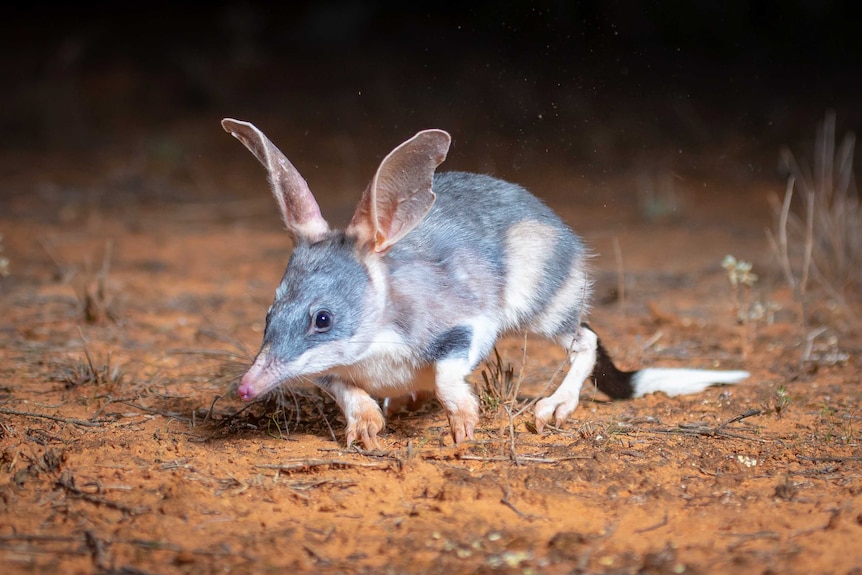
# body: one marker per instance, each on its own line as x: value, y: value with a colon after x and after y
x: 247, y: 390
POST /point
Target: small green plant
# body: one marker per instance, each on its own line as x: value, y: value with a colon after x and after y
x: 742, y: 281
x: 832, y: 429
x: 749, y: 311
x: 781, y: 400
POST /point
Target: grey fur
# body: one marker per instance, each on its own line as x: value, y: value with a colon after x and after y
x: 324, y: 275
x: 454, y: 265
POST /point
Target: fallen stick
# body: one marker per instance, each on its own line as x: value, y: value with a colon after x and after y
x: 81, y: 422
x: 312, y: 463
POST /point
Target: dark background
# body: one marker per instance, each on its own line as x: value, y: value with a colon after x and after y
x: 594, y: 84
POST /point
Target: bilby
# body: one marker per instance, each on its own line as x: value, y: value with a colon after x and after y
x: 430, y: 271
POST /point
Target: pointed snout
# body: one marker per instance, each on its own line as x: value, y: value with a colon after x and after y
x: 247, y: 389
x: 255, y: 381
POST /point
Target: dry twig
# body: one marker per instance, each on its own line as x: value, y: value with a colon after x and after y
x: 309, y: 464
x: 81, y: 422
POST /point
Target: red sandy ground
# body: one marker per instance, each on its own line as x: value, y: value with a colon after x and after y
x: 125, y: 324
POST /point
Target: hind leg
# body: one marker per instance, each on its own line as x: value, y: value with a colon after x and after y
x: 582, y: 355
x: 421, y: 393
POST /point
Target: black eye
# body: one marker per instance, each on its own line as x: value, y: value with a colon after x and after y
x: 322, y: 320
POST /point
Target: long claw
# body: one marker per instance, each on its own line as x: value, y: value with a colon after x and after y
x: 365, y: 428
x: 463, y: 426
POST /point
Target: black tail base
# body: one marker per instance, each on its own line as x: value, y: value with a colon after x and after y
x: 610, y: 380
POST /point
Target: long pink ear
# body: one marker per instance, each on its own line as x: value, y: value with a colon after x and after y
x: 400, y: 196
x: 297, y: 205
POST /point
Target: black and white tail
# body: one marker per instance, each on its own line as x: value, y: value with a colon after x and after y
x: 619, y: 384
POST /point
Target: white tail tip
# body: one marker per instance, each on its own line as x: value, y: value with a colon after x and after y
x: 673, y: 381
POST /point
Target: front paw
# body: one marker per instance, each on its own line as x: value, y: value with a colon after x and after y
x: 364, y: 426
x: 463, y: 425
x: 464, y: 419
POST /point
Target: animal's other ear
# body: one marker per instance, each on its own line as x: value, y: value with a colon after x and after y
x: 297, y: 205
x: 399, y: 196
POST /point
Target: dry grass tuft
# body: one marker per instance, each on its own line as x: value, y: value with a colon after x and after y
x: 823, y: 243
x: 499, y: 387
x: 89, y: 371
